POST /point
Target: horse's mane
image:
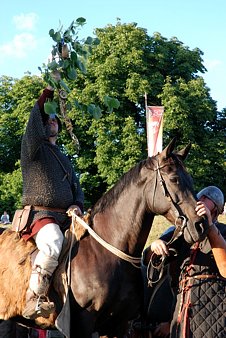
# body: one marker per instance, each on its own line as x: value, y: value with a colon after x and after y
x: 111, y: 196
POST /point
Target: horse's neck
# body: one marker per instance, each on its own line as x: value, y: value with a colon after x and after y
x: 129, y: 207
x: 125, y: 224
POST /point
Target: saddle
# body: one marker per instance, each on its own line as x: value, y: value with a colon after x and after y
x: 16, y: 256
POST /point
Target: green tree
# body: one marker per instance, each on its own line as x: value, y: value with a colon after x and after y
x: 16, y: 100
x: 124, y: 65
x: 114, y: 153
x: 11, y: 191
x: 191, y: 115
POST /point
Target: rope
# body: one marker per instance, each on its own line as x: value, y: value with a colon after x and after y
x: 160, y: 267
x: 67, y: 120
x: 109, y: 247
x: 157, y: 266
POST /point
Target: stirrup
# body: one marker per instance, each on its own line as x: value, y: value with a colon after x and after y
x: 38, y: 307
x: 44, y: 307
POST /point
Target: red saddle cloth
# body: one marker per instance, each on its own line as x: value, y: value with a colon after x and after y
x: 36, y: 226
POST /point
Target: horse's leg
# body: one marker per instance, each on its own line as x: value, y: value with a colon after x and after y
x: 82, y: 324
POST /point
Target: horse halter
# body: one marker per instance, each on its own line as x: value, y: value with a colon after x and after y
x: 157, y: 262
x: 179, y: 228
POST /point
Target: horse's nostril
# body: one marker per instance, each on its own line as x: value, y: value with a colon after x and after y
x: 196, y: 232
x: 199, y: 227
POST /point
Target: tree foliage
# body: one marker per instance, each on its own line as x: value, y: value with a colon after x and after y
x: 124, y: 65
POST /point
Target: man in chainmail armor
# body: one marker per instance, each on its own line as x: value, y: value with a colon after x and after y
x: 198, y: 275
x: 51, y: 188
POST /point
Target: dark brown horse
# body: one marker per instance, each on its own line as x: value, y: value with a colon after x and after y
x: 106, y: 290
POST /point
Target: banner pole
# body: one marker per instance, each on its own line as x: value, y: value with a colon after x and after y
x: 146, y: 110
x: 145, y: 100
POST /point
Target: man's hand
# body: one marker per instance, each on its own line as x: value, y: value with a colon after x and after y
x: 159, y: 247
x: 55, y: 75
x: 202, y: 210
x: 54, y: 79
x: 74, y: 208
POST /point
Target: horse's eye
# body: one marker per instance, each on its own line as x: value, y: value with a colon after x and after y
x: 174, y: 180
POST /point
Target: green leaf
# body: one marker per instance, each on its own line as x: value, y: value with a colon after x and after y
x: 65, y: 64
x: 81, y: 66
x: 51, y: 33
x: 81, y: 21
x: 50, y: 107
x: 96, y: 41
x: 89, y: 40
x: 71, y: 73
x: 67, y: 34
x: 77, y: 104
x: 95, y: 111
x: 76, y: 45
x: 52, y: 65
x: 63, y: 84
x: 111, y: 103
x: 71, y: 26
x: 57, y: 37
x: 73, y: 56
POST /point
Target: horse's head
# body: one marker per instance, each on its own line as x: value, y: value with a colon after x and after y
x: 172, y: 192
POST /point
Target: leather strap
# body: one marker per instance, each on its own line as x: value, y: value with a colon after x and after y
x: 199, y: 277
x: 41, y: 208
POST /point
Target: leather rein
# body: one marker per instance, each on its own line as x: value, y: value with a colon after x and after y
x: 179, y: 228
x: 136, y: 261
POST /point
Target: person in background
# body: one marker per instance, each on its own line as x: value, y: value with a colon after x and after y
x: 159, y: 296
x: 200, y: 275
x: 52, y: 189
x: 5, y: 218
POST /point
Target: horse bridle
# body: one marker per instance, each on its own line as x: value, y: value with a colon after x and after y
x: 135, y: 261
x: 178, y: 228
x: 177, y: 232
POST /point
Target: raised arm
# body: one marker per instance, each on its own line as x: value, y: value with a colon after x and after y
x: 36, y: 132
x: 217, y: 241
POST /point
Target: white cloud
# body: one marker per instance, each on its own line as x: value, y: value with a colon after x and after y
x: 25, y: 21
x: 19, y: 47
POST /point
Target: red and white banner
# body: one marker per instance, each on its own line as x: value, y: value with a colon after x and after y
x: 154, y: 119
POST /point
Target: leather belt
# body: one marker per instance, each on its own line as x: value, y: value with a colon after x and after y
x: 41, y: 208
x: 199, y: 277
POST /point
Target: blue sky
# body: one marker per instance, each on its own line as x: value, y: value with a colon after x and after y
x: 25, y: 43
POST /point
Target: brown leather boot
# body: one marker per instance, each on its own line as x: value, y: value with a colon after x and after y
x: 38, y: 303
x: 37, y: 306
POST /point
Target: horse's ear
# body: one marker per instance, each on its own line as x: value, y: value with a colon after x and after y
x: 183, y: 153
x: 169, y: 149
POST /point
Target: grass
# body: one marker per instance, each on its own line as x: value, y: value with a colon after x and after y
x: 160, y: 224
